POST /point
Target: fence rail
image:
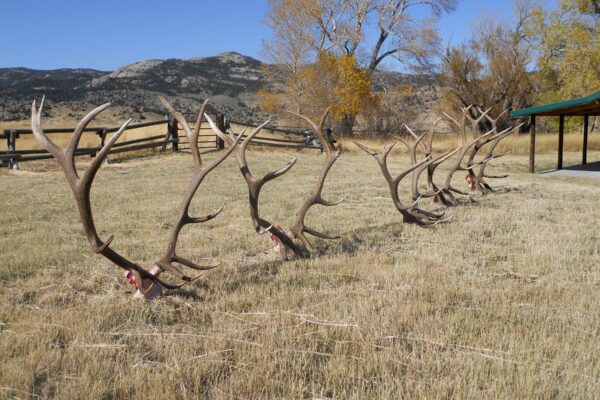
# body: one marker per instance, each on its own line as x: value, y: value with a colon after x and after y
x: 270, y: 137
x: 309, y: 139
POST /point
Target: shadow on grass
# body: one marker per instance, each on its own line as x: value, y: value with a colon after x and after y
x: 260, y: 272
x: 257, y: 273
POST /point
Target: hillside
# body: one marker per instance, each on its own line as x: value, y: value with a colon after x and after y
x: 229, y: 79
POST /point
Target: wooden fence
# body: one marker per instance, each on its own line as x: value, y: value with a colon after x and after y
x: 171, y: 138
x: 294, y: 138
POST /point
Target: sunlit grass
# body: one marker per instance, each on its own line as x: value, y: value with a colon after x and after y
x: 500, y: 303
x: 516, y: 144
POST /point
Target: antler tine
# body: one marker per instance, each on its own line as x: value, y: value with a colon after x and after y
x: 442, y: 158
x: 183, y: 218
x: 474, y: 182
x: 81, y: 191
x: 404, y: 142
x: 464, y: 148
x: 418, y: 138
x: 317, y: 128
x: 433, y: 188
x: 410, y: 214
x: 277, y: 173
x: 191, y: 135
x: 462, y: 124
x: 74, y: 142
x: 495, y: 137
x: 169, y: 266
x: 484, y: 112
x: 194, y: 135
x: 91, y: 171
x: 253, y: 134
x: 198, y: 126
x: 197, y: 180
x: 434, y: 163
x: 494, y: 121
x: 208, y: 217
x: 475, y: 145
x: 230, y: 139
x: 178, y: 116
x: 261, y: 225
x: 451, y: 119
x: 320, y: 234
x: 227, y: 138
x: 481, y: 139
x: 381, y: 156
x: 429, y: 145
x: 508, y: 131
x: 410, y: 169
x: 190, y: 264
x: 481, y: 184
x: 364, y: 148
x: 331, y: 203
x: 455, y: 190
x: 475, y: 121
x: 495, y: 156
x: 386, y: 150
x: 241, y: 153
x: 414, y: 203
x: 324, y: 118
x: 270, y: 175
x: 478, y: 142
x: 414, y: 135
x: 40, y: 135
x: 412, y: 148
x: 299, y: 228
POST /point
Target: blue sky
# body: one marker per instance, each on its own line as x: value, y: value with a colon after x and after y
x: 48, y: 34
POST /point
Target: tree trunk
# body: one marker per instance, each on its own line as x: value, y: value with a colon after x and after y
x: 345, y: 125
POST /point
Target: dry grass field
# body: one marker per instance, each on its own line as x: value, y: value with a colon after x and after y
x: 500, y: 303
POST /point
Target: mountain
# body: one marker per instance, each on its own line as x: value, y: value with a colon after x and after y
x: 229, y: 79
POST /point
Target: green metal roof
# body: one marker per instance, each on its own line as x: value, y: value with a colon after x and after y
x: 579, y: 106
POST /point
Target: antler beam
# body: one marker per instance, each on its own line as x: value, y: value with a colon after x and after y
x: 145, y: 281
x: 448, y: 189
x: 200, y: 171
x: 255, y: 185
x: 299, y: 228
x: 410, y: 214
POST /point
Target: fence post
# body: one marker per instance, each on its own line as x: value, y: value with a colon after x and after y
x: 174, y: 135
x: 101, y: 139
x: 11, y: 144
x: 222, y: 126
x: 3, y: 161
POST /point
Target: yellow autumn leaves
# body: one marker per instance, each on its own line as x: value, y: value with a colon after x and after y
x: 336, y: 81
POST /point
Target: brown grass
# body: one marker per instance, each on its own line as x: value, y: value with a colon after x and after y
x: 501, y: 303
x: 516, y: 144
x: 88, y: 139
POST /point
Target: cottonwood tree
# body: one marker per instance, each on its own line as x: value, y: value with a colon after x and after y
x: 289, y: 51
x: 367, y: 31
x: 492, y: 70
x: 568, y: 38
x: 331, y: 81
x: 569, y: 42
x: 396, y: 106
